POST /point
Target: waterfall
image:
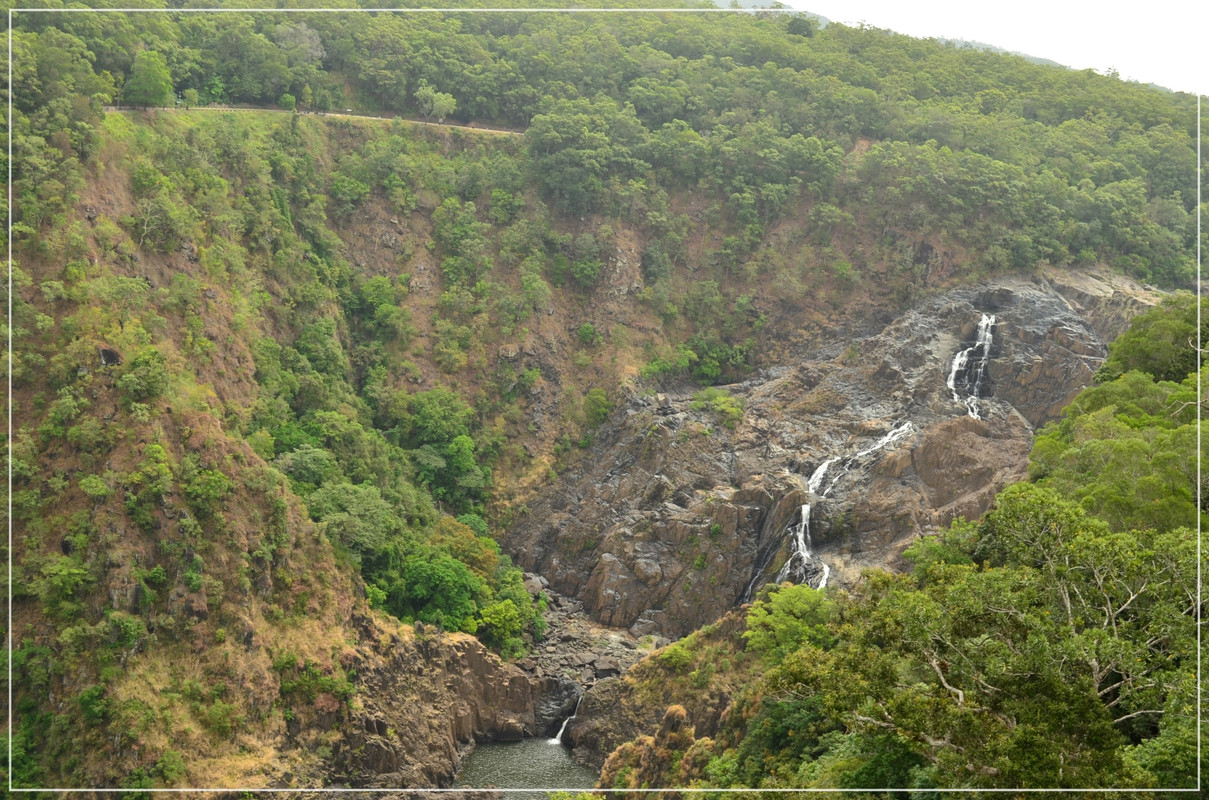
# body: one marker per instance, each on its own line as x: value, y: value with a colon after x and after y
x: 800, y: 557
x: 558, y: 739
x: 891, y: 437
x: 795, y: 567
x: 816, y: 479
x: 968, y: 373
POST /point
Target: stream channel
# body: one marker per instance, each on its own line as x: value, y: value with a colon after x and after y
x: 526, y: 764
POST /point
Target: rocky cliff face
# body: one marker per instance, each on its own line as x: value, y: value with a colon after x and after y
x: 672, y: 518
x: 425, y: 697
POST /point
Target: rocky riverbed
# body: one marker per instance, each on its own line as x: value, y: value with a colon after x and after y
x: 579, y: 650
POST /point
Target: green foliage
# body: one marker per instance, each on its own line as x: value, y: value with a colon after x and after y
x: 436, y: 588
x: 461, y: 236
x: 1161, y: 342
x: 205, y: 489
x: 126, y: 632
x: 145, y: 376
x: 95, y: 487
x: 588, y: 335
x: 677, y: 363
x: 147, y: 486
x: 787, y: 618
x: 724, y: 405
x: 303, y: 681
x: 501, y: 625
x: 355, y: 516
x: 438, y: 416
x: 951, y: 546
x: 574, y: 145
x: 150, y: 81
x: 93, y: 705
x: 171, y: 767
x: 1126, y: 450
x: 309, y: 467
x: 596, y: 407
x: 433, y: 103
x: 476, y: 523
x: 676, y: 657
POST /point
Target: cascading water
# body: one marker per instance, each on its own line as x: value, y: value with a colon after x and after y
x: 795, y: 568
x: 970, y: 374
x: 890, y: 438
x: 558, y: 739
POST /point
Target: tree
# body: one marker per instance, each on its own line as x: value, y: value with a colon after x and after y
x: 597, y: 407
x: 150, y: 81
x: 790, y: 615
x: 800, y: 25
x: 1161, y: 342
x: 443, y: 105
x: 433, y: 103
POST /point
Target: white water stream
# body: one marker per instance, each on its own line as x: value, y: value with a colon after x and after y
x: 558, y: 739
x: 972, y: 376
x: 795, y: 568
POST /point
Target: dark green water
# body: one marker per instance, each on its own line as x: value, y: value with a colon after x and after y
x: 527, y: 764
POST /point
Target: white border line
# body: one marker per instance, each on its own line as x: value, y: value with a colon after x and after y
x: 781, y: 10
x: 1200, y: 174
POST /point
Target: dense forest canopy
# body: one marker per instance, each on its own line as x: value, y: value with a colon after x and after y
x: 312, y: 336
x: 1017, y: 161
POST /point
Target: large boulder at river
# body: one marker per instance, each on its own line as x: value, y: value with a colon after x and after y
x: 672, y: 518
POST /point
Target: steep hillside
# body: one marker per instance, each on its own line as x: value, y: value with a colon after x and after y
x: 284, y: 383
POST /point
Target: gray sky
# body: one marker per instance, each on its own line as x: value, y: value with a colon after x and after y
x: 1159, y: 41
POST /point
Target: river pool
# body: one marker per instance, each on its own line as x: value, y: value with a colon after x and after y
x: 526, y: 764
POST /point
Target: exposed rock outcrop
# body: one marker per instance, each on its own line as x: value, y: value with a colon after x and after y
x: 425, y: 697
x: 578, y: 653
x: 672, y: 518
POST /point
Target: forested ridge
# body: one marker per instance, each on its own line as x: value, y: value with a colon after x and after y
x: 271, y: 368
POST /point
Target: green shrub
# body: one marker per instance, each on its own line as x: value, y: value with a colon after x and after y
x: 596, y: 407
x: 721, y: 403
x: 146, y: 376
x: 96, y: 488
x: 676, y: 657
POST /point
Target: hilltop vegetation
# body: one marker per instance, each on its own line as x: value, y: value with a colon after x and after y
x: 272, y: 367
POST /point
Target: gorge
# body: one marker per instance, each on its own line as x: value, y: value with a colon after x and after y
x: 709, y: 399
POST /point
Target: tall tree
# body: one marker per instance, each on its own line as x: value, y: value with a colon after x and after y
x: 150, y: 81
